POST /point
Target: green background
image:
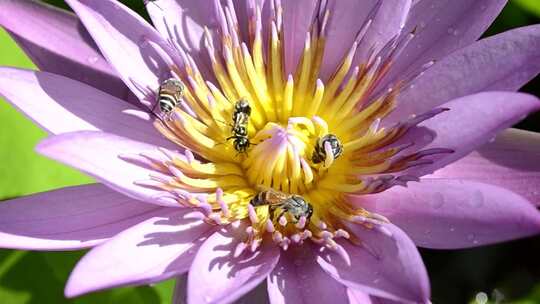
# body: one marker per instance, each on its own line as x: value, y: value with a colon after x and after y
x: 509, y: 272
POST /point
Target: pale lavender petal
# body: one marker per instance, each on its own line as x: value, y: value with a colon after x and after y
x: 347, y: 18
x: 441, y: 27
x: 470, y: 122
x: 69, y: 218
x: 182, y: 23
x: 57, y: 43
x: 154, y: 250
x: 101, y: 156
x: 131, y: 45
x: 60, y: 105
x: 298, y: 278
x: 218, y: 277
x: 503, y: 62
x: 388, y: 22
x: 384, y: 265
x: 448, y: 214
x: 297, y: 20
x: 511, y: 161
x: 358, y: 297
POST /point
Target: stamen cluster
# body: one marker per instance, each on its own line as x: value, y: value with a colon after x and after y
x: 302, y: 137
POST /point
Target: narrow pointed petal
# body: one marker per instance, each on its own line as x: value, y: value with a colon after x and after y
x: 69, y: 218
x: 57, y: 42
x: 154, y: 250
x: 100, y: 155
x: 346, y: 20
x: 125, y: 39
x: 441, y: 27
x: 60, y: 105
x: 217, y: 277
x: 504, y: 62
x: 511, y: 161
x: 297, y: 19
x: 298, y: 278
x: 182, y: 23
x: 387, y: 23
x: 384, y: 266
x: 470, y: 122
x: 449, y: 214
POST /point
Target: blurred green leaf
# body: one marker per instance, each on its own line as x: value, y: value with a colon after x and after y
x: 27, y: 171
x: 532, y: 6
x: 39, y: 277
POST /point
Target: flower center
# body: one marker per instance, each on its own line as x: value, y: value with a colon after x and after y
x: 282, y: 152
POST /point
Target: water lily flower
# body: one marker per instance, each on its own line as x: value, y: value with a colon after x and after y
x: 386, y: 121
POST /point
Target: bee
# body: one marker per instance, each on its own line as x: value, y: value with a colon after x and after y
x: 240, y: 118
x: 170, y: 93
x: 319, y: 153
x: 295, y: 205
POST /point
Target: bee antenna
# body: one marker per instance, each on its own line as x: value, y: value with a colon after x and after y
x: 221, y: 121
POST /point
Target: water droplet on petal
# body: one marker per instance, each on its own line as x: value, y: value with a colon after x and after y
x: 477, y: 199
x: 92, y: 59
x: 470, y: 237
x: 376, y: 281
x: 208, y: 299
x: 452, y: 229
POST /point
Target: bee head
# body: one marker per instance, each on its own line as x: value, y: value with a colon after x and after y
x: 241, y: 144
x: 243, y: 106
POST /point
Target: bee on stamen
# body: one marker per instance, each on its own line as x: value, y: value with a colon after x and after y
x: 294, y: 205
x: 240, y: 118
x: 169, y: 95
x: 319, y: 153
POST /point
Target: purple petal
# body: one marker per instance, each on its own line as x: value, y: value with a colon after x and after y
x: 182, y: 23
x: 99, y: 154
x: 56, y: 42
x: 448, y: 214
x: 217, y: 277
x: 60, y: 105
x: 443, y: 26
x: 388, y: 22
x: 154, y: 250
x: 471, y: 121
x: 358, y: 297
x: 131, y: 45
x: 297, y: 20
x: 511, y: 161
x: 298, y: 278
x: 503, y: 62
x: 346, y: 19
x: 68, y: 218
x: 384, y: 266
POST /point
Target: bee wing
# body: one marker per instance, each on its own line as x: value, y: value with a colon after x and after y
x: 274, y: 197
